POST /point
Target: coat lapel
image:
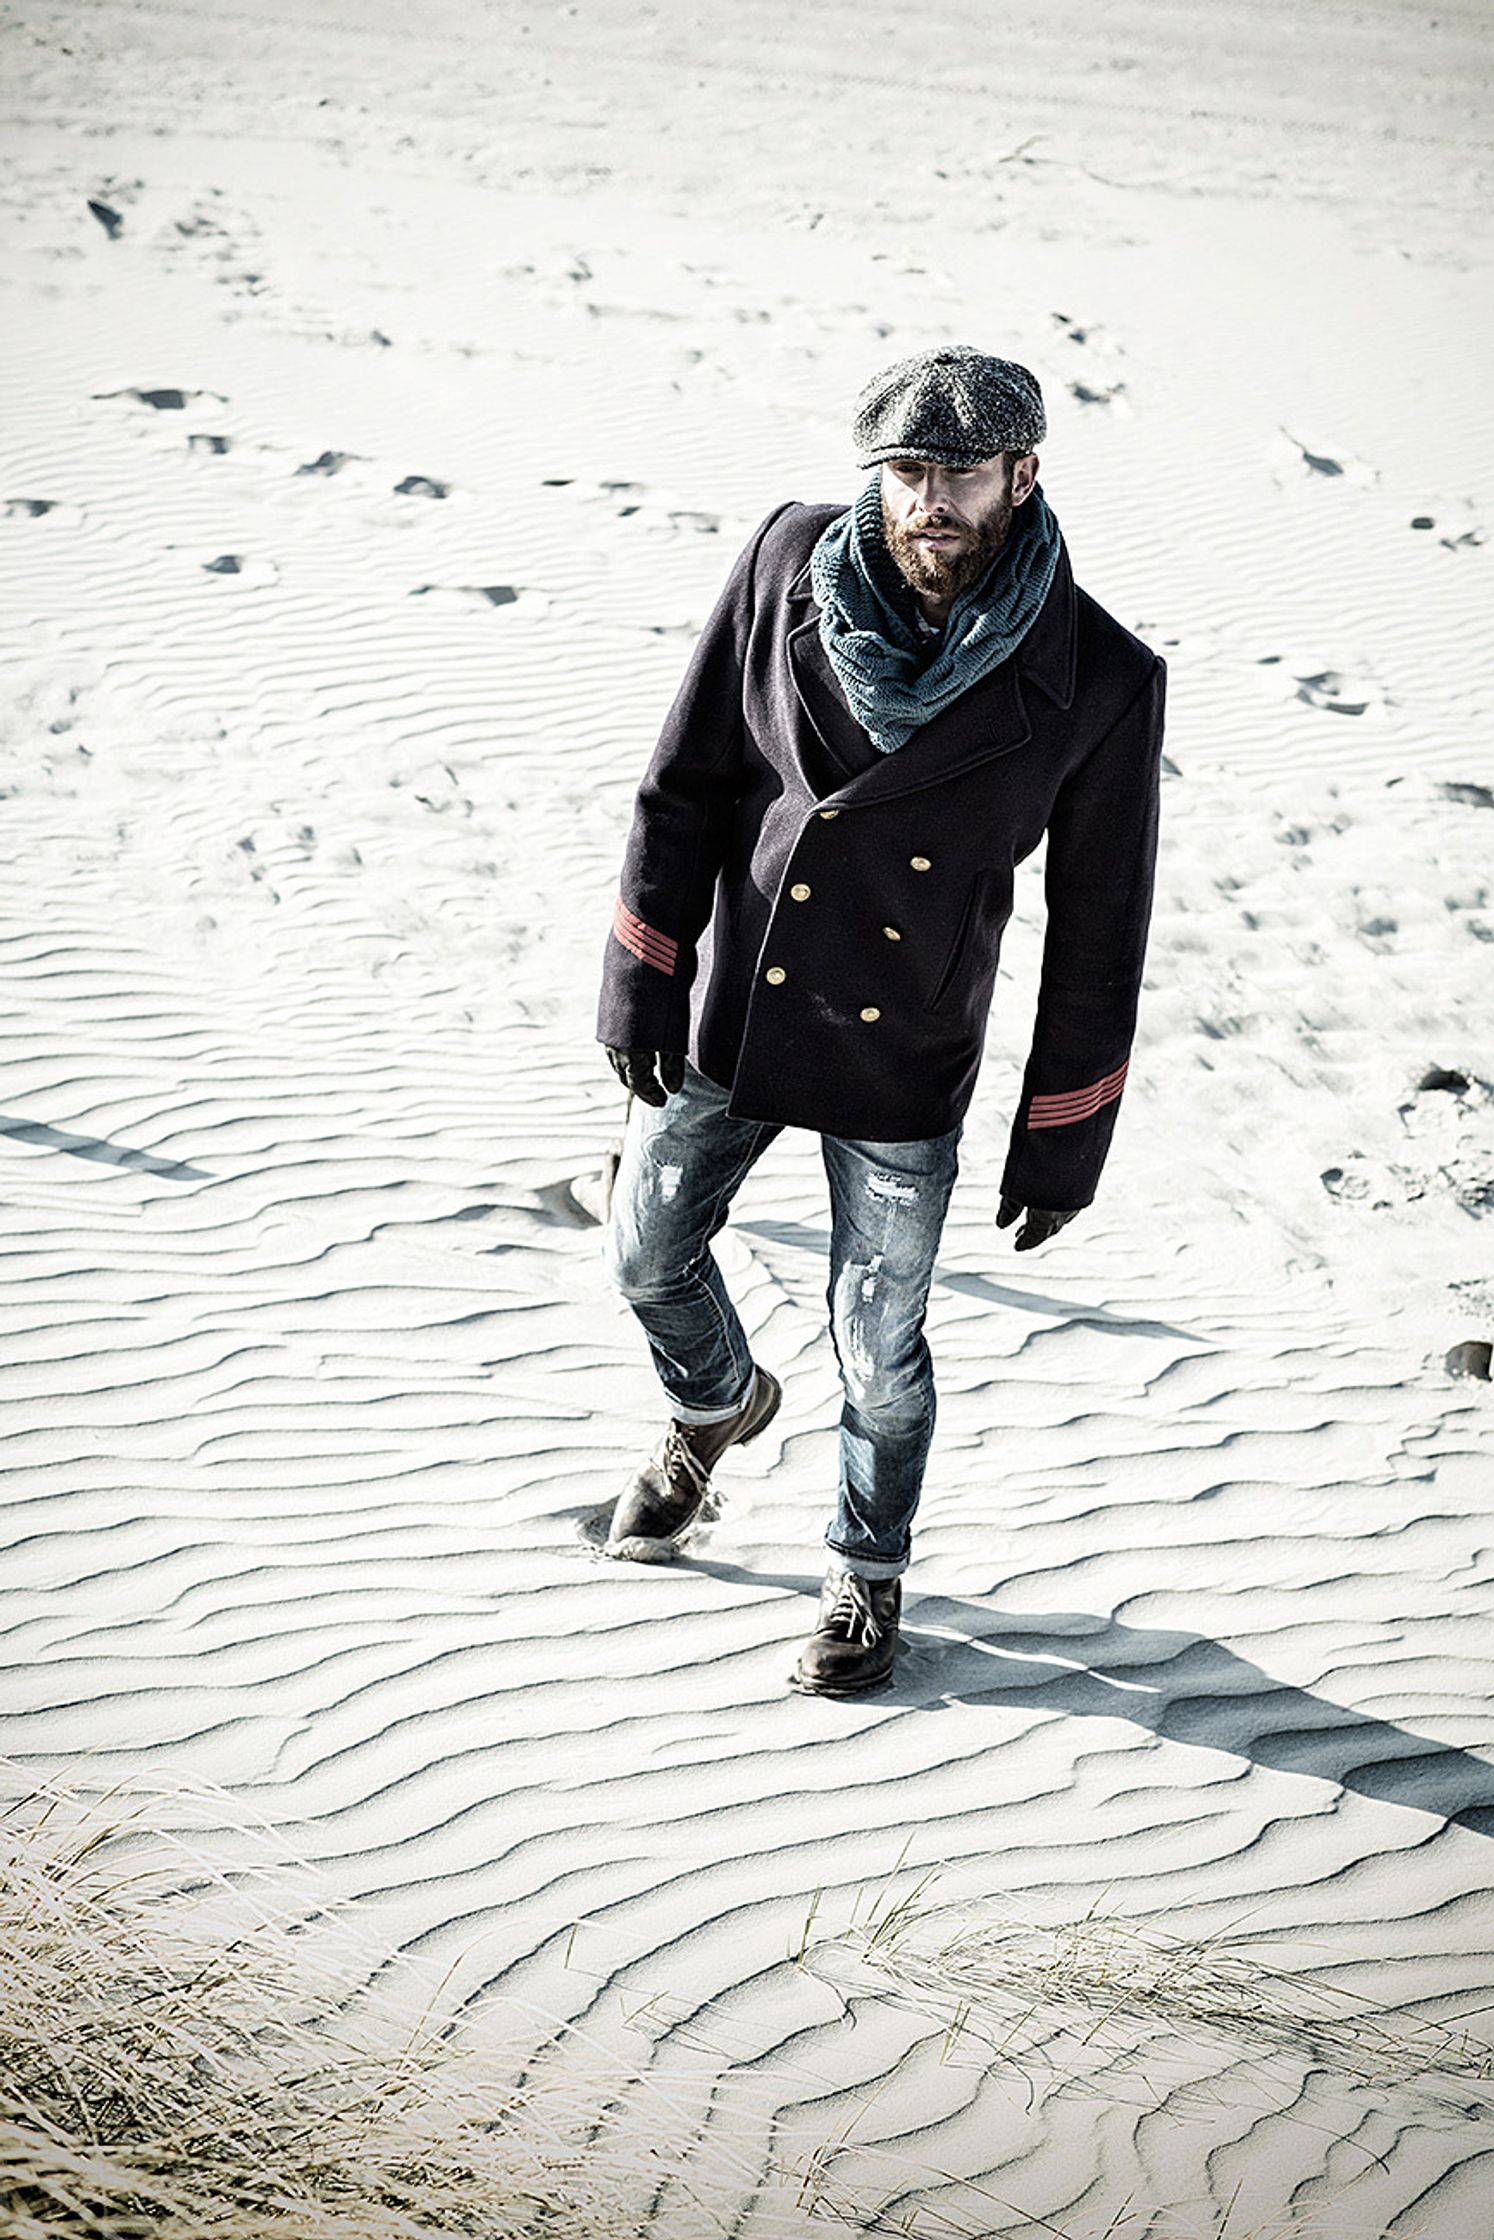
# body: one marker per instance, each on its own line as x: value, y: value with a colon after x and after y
x: 989, y: 720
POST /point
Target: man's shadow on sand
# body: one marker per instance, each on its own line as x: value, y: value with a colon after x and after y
x: 1181, y: 1686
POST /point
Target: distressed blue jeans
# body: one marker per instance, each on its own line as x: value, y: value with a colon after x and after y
x: 681, y: 1166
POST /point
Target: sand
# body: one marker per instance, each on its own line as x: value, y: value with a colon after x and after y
x: 373, y: 449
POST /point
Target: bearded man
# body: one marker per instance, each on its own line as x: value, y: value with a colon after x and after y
x: 889, y: 708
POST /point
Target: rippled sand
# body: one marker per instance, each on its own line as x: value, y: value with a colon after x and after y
x: 372, y: 452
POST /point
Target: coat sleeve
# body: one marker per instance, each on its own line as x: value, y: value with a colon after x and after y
x: 1102, y: 851
x: 681, y: 819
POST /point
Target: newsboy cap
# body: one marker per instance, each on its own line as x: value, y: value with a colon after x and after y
x: 954, y: 406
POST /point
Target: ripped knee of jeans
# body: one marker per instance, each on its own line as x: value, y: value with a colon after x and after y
x: 893, y: 1189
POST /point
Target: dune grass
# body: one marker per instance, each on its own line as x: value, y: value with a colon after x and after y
x: 1109, y: 1976
x: 1106, y: 2005
x: 180, y: 2060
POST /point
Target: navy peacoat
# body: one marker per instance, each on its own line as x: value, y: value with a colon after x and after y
x: 819, y: 924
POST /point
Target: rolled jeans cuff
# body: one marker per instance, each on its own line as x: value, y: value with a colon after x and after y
x: 700, y: 1416
x: 867, y: 1567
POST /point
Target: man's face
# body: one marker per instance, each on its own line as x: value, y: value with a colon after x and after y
x: 945, y: 525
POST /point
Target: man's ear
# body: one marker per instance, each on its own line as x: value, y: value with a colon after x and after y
x: 1024, y: 475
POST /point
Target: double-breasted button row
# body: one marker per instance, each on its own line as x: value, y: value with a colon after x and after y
x: 801, y: 891
x: 775, y: 977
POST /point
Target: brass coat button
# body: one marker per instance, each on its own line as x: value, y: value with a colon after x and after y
x: 870, y: 1013
x: 775, y: 976
x: 827, y: 814
x: 892, y: 933
x: 920, y: 863
x: 800, y: 893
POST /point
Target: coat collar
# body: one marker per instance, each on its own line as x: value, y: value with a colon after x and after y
x: 990, y: 719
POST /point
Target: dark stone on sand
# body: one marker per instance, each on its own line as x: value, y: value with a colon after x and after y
x: 1460, y: 789
x: 326, y: 462
x: 29, y: 509
x: 1443, y: 1077
x: 1319, y: 464
x: 110, y: 220
x: 216, y: 446
x: 226, y: 564
x: 498, y: 594
x: 1472, y: 1357
x: 421, y: 486
x: 1422, y: 521
x: 161, y: 400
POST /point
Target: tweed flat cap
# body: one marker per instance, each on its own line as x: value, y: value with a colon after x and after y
x: 954, y: 406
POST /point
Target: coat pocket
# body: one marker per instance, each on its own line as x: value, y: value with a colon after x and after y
x: 975, y: 928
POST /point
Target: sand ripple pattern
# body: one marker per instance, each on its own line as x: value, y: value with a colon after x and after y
x: 346, y: 581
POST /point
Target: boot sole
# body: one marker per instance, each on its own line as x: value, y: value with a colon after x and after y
x: 639, y: 1550
x: 843, y: 1695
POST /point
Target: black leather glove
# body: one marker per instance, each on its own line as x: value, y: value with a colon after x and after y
x: 635, y: 1070
x: 1037, y: 1228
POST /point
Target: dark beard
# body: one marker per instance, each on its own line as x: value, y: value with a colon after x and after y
x: 938, y: 576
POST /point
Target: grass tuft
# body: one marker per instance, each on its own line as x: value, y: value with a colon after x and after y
x: 180, y: 2061
x: 1110, y: 1976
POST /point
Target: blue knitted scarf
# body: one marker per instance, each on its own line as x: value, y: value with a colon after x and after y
x: 866, y: 624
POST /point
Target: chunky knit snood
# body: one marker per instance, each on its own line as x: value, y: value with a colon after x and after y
x: 865, y: 616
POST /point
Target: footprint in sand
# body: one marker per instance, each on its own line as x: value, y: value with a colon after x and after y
x: 671, y: 518
x: 161, y: 400
x: 252, y: 572
x: 28, y: 509
x: 435, y: 787
x: 1105, y: 386
x: 1330, y: 689
x: 1455, y: 524
x: 1339, y: 692
x: 1331, y: 464
x: 1374, y: 1183
x: 421, y: 486
x: 213, y: 446
x: 484, y: 594
x: 329, y: 462
x: 1091, y: 336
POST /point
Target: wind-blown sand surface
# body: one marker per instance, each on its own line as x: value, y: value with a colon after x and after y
x: 371, y: 455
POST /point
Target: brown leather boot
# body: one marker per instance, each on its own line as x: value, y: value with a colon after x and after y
x: 851, y: 1650
x: 665, y: 1496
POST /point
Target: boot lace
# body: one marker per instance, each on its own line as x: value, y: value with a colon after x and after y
x: 852, y: 1608
x: 678, y: 1459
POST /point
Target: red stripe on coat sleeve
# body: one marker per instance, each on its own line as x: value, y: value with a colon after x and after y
x: 643, y: 941
x: 1060, y: 1109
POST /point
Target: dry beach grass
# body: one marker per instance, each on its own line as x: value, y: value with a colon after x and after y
x: 181, y: 2056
